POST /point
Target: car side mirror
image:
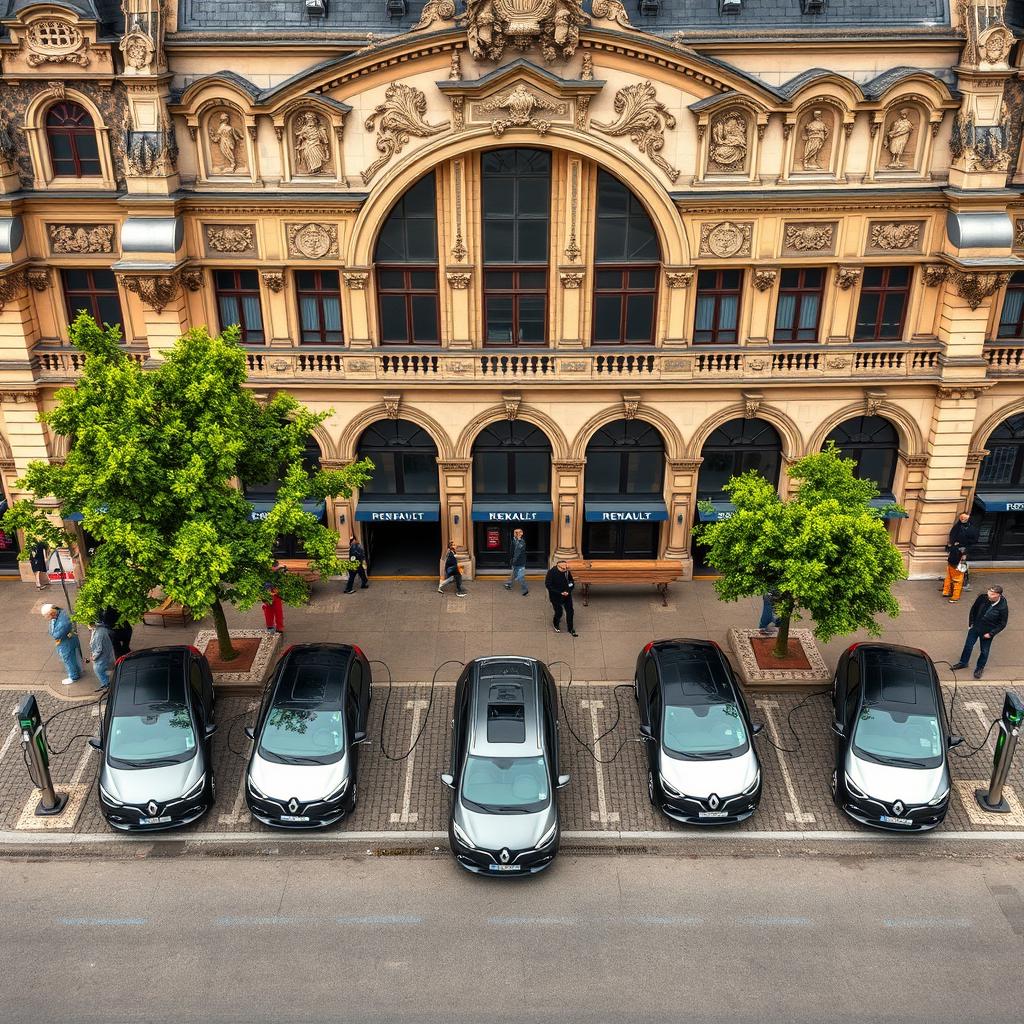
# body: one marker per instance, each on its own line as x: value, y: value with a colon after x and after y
x: 210, y: 730
x: 250, y: 732
x: 563, y: 781
x: 955, y: 741
x: 837, y: 729
x: 359, y: 736
x: 647, y: 732
x: 96, y: 743
x: 448, y: 779
x: 756, y: 727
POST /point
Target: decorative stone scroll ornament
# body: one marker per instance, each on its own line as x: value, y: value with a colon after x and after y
x: 435, y: 10
x: 587, y: 71
x: 893, y: 235
x: 356, y: 280
x: 54, y: 41
x: 38, y: 279
x: 873, y: 402
x: 231, y: 238
x: 521, y: 104
x: 312, y: 241
x: 679, y: 278
x: 751, y: 404
x: 459, y: 280
x: 764, y: 279
x: 273, y: 279
x: 392, y: 405
x: 571, y: 279
x: 12, y: 286
x: 155, y: 290
x: 459, y: 250
x: 728, y: 147
x: 976, y: 286
x: 612, y: 10
x: 512, y: 400
x: 1018, y: 233
x: 192, y: 278
x: 630, y: 406
x: 644, y: 120
x: 725, y: 239
x: 809, y: 237
x: 455, y: 67
x: 80, y: 239
x: 935, y: 274
x: 399, y: 117
x: 847, y: 277
x: 554, y: 25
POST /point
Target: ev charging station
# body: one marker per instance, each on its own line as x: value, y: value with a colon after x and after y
x: 33, y: 742
x: 1010, y: 723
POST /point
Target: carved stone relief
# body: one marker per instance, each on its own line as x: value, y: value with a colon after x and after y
x: 553, y: 25
x: 816, y: 134
x: 847, y: 277
x: 38, y: 279
x: 571, y: 279
x: 985, y: 147
x: 232, y: 239
x: 356, y: 280
x: 54, y: 41
x: 459, y: 280
x: 312, y: 241
x: 80, y: 239
x: 311, y: 144
x: 612, y: 10
x: 192, y: 278
x: 273, y: 279
x: 729, y: 141
x: 976, y: 287
x: 644, y: 120
x: 764, y: 279
x: 396, y: 120
x: 900, y: 137
x: 522, y: 104
x: 679, y: 278
x: 12, y: 286
x: 935, y: 274
x: 725, y: 239
x: 227, y: 142
x: 434, y: 11
x: 894, y: 236
x: 816, y: 237
x: 155, y: 290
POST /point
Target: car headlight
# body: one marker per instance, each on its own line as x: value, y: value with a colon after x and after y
x: 337, y: 794
x: 669, y: 789
x: 940, y: 797
x: 854, y: 788
x: 110, y: 800
x: 197, y: 788
x: 753, y: 786
x: 254, y: 789
x: 462, y: 836
x: 548, y: 836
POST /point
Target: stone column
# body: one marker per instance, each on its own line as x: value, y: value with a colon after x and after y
x: 676, y: 292
x: 360, y: 305
x: 681, y: 501
x: 914, y: 471
x: 567, y: 499
x: 454, y: 476
x: 161, y: 306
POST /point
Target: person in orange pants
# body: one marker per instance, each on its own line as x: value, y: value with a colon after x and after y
x: 273, y: 608
x: 956, y: 568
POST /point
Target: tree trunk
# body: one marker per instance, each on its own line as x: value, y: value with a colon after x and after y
x: 227, y: 652
x: 781, y: 648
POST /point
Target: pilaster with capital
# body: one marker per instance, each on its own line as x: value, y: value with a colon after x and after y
x: 567, y: 498
x: 19, y: 329
x: 681, y: 501
x: 455, y: 479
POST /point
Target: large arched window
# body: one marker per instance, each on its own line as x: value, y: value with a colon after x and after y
x: 1000, y: 494
x: 516, y: 203
x: 872, y: 442
x: 1004, y: 464
x: 405, y: 458
x: 511, y: 458
x: 626, y: 276
x: 406, y: 258
x: 626, y: 457
x: 71, y: 137
x: 734, y: 448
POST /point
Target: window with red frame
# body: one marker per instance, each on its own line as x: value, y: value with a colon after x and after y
x: 718, y: 307
x: 884, y: 293
x: 71, y: 137
x: 319, y: 295
x: 95, y: 291
x: 1011, y: 320
x: 796, y: 317
x: 238, y: 302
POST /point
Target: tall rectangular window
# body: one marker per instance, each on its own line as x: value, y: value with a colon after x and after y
x: 1011, y: 320
x: 800, y: 290
x: 319, y: 296
x: 516, y: 306
x: 409, y: 313
x: 884, y: 293
x: 238, y: 302
x: 718, y: 307
x: 95, y: 291
x: 624, y: 305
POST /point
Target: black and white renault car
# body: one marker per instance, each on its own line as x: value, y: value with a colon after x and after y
x: 891, y: 738
x: 303, y: 770
x: 156, y: 740
x: 504, y: 767
x: 702, y: 765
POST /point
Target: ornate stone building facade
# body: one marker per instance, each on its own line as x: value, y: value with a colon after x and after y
x: 561, y: 263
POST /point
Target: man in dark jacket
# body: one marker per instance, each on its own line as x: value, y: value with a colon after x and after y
x: 963, y: 535
x: 37, y: 560
x: 120, y: 635
x: 559, y: 584
x: 518, y: 562
x: 356, y: 554
x: 451, y: 572
x: 988, y: 616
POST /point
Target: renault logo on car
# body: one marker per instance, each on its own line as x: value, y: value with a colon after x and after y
x: 713, y: 801
x: 504, y: 856
x: 152, y: 807
x: 293, y: 805
x: 898, y: 808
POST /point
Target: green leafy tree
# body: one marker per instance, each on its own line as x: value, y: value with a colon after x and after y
x: 153, y: 468
x: 825, y: 551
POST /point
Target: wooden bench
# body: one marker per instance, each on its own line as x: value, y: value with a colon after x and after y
x: 659, y: 572
x: 167, y: 611
x: 299, y: 567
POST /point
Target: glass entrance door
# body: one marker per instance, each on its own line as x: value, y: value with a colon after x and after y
x: 494, y: 544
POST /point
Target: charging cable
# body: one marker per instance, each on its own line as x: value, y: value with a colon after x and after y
x: 971, y: 750
x: 590, y: 748
x: 77, y: 736
x: 763, y: 734
x: 426, y: 717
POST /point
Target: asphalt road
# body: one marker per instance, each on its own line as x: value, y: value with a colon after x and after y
x: 596, y: 939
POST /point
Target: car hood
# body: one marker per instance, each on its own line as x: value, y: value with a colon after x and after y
x: 304, y: 782
x: 140, y: 785
x: 496, y: 831
x: 888, y: 783
x: 727, y: 777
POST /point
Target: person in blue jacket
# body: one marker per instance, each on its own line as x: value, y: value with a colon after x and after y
x: 63, y: 634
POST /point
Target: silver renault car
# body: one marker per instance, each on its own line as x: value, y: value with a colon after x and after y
x: 504, y: 816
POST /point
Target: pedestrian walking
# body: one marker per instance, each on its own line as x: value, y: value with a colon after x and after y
x: 273, y: 607
x: 37, y: 560
x: 356, y: 554
x: 451, y: 572
x: 987, y: 617
x: 101, y: 647
x: 964, y: 534
x: 769, y: 622
x: 560, y: 584
x: 956, y: 570
x: 518, y: 562
x: 65, y: 637
x: 120, y: 635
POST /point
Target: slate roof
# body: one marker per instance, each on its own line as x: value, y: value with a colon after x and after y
x: 106, y: 12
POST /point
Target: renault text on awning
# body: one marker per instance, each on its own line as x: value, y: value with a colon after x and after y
x: 512, y: 512
x: 261, y: 509
x: 719, y: 510
x: 1000, y: 501
x: 625, y: 512
x: 398, y: 512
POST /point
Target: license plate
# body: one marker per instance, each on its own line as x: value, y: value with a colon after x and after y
x: 162, y: 820
x: 295, y: 817
x: 887, y: 820
x: 505, y: 867
x: 713, y: 814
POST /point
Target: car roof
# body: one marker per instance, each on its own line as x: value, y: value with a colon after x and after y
x: 899, y: 679
x: 312, y: 676
x: 505, y: 708
x: 693, y: 672
x: 151, y: 677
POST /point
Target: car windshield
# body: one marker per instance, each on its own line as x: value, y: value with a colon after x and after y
x: 295, y: 736
x: 898, y: 738
x: 506, y: 785
x: 162, y: 734
x: 704, y: 731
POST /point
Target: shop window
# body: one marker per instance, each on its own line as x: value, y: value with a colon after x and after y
x: 71, y: 137
x: 405, y: 458
x: 737, y: 447
x: 625, y: 458
x: 238, y: 302
x: 800, y: 291
x: 628, y: 257
x: 94, y: 291
x: 884, y: 294
x: 873, y: 444
x: 407, y: 281
x: 319, y: 298
x: 1011, y: 320
x: 516, y: 198
x: 718, y: 307
x: 511, y: 458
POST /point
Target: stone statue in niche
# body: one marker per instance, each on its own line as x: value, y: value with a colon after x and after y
x: 815, y: 134
x: 729, y: 141
x: 312, y: 144
x: 225, y: 138
x: 897, y: 139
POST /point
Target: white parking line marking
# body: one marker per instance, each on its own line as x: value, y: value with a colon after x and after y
x: 602, y: 814
x: 773, y: 921
x: 986, y: 723
x: 375, y: 919
x: 530, y: 921
x: 83, y: 761
x: 926, y: 922
x: 10, y: 735
x: 670, y: 919
x: 408, y: 816
x: 236, y: 814
x: 106, y: 922
x: 796, y: 815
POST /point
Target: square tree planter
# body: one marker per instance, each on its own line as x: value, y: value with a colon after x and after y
x: 804, y: 667
x: 248, y: 671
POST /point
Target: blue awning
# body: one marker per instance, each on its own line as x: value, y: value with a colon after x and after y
x: 77, y: 517
x: 887, y: 499
x: 260, y: 509
x: 512, y: 512
x: 1000, y: 501
x: 625, y: 511
x: 720, y: 510
x: 398, y: 511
